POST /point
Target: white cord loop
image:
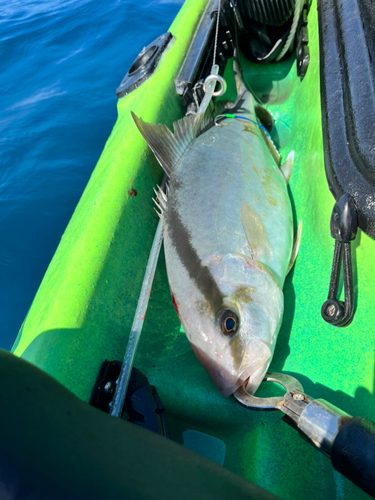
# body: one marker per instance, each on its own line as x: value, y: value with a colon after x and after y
x: 297, y: 13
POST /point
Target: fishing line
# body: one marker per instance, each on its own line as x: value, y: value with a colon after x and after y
x: 243, y: 118
x: 217, y: 31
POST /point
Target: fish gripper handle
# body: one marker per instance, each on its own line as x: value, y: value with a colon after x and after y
x: 344, y: 226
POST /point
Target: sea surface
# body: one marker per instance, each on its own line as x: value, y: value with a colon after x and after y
x: 60, y: 64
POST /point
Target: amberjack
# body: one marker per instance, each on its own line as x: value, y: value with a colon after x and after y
x: 228, y: 236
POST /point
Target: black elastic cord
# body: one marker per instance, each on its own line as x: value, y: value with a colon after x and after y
x: 344, y: 224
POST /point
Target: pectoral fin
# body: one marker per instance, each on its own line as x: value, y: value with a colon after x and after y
x: 286, y: 167
x: 255, y: 231
x: 297, y: 240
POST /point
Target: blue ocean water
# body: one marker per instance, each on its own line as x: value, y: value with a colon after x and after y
x: 60, y: 64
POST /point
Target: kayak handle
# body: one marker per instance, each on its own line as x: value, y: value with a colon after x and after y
x: 344, y: 226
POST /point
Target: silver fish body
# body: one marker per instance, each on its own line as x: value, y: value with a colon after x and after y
x: 228, y: 238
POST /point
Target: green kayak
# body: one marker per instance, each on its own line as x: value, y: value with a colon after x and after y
x: 84, y: 309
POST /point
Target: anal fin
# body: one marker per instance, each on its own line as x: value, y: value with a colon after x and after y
x: 160, y: 202
x: 297, y: 241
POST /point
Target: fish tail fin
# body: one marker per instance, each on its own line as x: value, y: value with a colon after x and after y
x: 165, y: 146
x: 168, y: 148
x: 240, y: 84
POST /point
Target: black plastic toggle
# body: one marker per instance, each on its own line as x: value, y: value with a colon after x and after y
x: 142, y: 404
x: 344, y: 225
x: 344, y: 219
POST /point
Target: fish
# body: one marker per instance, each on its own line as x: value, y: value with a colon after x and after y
x: 228, y: 236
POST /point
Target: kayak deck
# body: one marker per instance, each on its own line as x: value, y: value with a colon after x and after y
x: 84, y: 308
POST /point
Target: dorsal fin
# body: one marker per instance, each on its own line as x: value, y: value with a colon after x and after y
x: 271, y: 147
x: 264, y: 117
x: 255, y: 231
x: 240, y: 84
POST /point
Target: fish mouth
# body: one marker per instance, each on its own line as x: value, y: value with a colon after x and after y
x: 226, y: 382
x: 254, y: 380
x: 223, y: 379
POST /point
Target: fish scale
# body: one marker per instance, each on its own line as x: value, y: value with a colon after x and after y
x: 223, y: 169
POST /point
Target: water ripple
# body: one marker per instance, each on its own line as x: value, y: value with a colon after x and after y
x: 60, y: 64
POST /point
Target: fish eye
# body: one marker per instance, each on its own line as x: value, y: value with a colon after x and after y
x: 229, y: 322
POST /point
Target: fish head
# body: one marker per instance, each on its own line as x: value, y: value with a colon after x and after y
x: 235, y: 340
